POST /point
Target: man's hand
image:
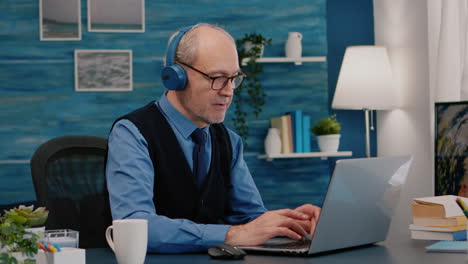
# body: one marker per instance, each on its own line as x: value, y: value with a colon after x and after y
x: 284, y: 222
x: 313, y: 212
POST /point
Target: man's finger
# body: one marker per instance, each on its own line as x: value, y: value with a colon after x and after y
x: 293, y: 214
x: 284, y: 231
x: 309, y: 209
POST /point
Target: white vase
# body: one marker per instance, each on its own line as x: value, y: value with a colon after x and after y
x: 329, y: 143
x: 293, y: 47
x: 273, y: 142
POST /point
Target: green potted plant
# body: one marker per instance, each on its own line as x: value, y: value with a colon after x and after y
x: 250, y: 94
x: 327, y: 132
x: 20, y: 230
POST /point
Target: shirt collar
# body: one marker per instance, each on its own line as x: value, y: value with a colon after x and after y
x: 180, y: 122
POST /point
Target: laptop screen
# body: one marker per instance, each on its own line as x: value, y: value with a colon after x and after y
x: 360, y: 202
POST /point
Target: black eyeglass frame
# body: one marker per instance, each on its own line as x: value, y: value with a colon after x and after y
x: 214, y: 78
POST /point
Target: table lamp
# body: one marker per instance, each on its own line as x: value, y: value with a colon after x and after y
x: 365, y: 83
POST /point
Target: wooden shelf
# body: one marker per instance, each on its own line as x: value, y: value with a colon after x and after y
x: 296, y: 61
x: 322, y: 155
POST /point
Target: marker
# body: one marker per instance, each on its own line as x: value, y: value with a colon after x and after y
x: 42, y: 246
x: 56, y: 246
x: 51, y: 248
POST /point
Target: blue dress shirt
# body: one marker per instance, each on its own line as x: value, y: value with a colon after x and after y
x: 130, y: 180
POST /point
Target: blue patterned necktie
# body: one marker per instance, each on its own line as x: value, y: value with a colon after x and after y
x: 199, y: 156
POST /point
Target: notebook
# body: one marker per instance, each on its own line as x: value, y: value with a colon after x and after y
x: 357, y: 209
x: 448, y: 247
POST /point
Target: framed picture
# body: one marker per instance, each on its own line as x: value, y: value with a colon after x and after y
x: 451, y: 148
x: 116, y: 15
x: 59, y: 20
x: 103, y: 70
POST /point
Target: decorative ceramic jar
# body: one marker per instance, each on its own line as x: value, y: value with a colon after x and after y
x: 273, y: 142
x: 293, y: 48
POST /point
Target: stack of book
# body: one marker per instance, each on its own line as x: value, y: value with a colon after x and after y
x: 438, y: 218
x: 294, y: 128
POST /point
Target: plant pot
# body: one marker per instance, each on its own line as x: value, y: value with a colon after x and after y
x: 36, y: 230
x: 329, y: 143
x: 248, y: 45
x: 21, y: 257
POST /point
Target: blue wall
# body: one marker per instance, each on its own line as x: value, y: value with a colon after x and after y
x: 38, y: 101
x: 349, y: 23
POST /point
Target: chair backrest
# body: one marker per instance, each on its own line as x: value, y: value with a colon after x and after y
x: 69, y: 180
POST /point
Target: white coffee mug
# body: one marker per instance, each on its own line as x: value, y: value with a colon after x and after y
x: 130, y: 240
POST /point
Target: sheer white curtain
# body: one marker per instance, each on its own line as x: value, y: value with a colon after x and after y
x: 448, y: 49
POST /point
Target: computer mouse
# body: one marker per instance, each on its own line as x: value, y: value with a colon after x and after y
x: 226, y: 251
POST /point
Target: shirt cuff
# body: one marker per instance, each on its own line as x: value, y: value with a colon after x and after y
x: 215, y: 234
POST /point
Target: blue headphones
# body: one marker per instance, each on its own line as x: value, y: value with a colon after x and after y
x: 173, y: 75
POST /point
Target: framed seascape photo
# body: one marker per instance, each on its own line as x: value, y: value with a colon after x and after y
x: 116, y: 15
x: 59, y: 20
x: 451, y: 148
x: 103, y: 70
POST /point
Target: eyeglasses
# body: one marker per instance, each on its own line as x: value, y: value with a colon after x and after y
x: 219, y: 82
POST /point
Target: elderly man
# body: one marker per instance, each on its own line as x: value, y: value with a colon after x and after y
x: 175, y: 164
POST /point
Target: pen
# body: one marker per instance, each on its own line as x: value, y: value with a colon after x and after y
x: 462, y: 206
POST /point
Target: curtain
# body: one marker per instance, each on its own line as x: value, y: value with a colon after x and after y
x: 448, y: 49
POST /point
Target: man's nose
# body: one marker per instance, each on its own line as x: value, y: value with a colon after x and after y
x: 228, y: 89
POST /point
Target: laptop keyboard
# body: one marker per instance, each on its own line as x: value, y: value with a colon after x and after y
x: 303, y: 244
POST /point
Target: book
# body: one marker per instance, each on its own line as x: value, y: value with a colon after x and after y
x: 439, y: 221
x: 280, y: 122
x: 427, y: 210
x: 448, y: 246
x: 288, y: 133
x: 437, y: 228
x: 431, y: 235
x: 431, y: 206
x: 306, y: 133
x: 296, y: 128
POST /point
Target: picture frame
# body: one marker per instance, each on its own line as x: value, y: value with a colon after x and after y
x: 103, y: 70
x: 59, y: 20
x: 116, y: 16
x: 451, y: 148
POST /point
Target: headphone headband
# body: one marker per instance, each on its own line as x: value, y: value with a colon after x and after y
x: 173, y: 76
x: 171, y: 50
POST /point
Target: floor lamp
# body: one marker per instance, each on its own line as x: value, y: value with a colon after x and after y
x: 365, y: 83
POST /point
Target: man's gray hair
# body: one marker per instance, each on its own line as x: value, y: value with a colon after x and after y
x: 187, y: 49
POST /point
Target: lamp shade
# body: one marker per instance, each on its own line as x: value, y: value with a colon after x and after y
x: 365, y: 80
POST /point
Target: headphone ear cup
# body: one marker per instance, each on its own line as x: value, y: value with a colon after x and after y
x: 174, y: 77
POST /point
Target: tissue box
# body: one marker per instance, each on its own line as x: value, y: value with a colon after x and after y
x: 65, y: 256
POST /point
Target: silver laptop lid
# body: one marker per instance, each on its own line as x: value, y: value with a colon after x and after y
x: 360, y: 202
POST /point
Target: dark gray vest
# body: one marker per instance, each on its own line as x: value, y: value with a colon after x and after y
x: 175, y: 191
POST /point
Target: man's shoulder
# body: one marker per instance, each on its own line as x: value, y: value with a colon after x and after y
x: 151, y: 106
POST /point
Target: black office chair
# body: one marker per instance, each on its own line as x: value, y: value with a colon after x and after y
x: 68, y: 176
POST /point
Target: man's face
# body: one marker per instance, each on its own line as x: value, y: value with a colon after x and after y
x: 217, y: 56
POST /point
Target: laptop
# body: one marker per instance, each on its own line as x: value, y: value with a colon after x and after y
x: 357, y: 210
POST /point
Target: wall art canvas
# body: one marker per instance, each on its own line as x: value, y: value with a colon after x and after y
x: 451, y: 148
x: 116, y: 15
x: 103, y: 70
x: 59, y: 20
